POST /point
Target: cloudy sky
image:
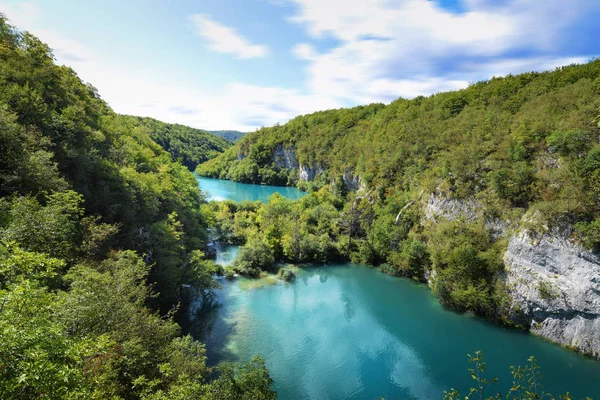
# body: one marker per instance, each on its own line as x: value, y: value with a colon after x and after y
x: 242, y: 64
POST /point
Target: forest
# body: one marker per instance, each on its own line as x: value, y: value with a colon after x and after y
x: 232, y: 136
x: 189, y: 145
x: 99, y: 228
x: 102, y: 223
x: 515, y: 153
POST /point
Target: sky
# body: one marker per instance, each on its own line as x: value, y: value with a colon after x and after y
x: 243, y: 64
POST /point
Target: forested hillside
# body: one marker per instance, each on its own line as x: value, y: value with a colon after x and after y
x: 431, y: 188
x: 98, y: 230
x: 191, y: 146
x: 232, y: 136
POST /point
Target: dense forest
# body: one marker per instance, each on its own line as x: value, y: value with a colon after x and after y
x: 99, y: 229
x: 232, y: 136
x: 189, y: 145
x: 520, y: 152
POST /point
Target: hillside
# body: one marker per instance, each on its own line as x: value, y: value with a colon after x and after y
x: 489, y: 194
x: 191, y: 146
x: 99, y: 230
x: 232, y: 136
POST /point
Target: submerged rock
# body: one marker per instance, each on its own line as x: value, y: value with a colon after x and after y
x: 286, y: 274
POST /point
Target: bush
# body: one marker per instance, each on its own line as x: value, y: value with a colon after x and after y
x: 286, y: 274
x: 229, y: 273
x: 589, y: 234
x: 568, y: 143
x: 255, y: 256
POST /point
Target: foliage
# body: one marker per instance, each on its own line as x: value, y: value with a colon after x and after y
x: 189, y: 145
x: 527, y: 141
x: 250, y: 382
x: 286, y: 274
x: 95, y: 217
x: 466, y: 262
x: 53, y: 229
x: 590, y: 234
x: 231, y: 136
x: 526, y: 385
x: 255, y: 256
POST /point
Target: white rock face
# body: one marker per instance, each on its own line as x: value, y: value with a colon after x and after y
x: 552, y: 281
x: 285, y: 158
x: 556, y: 284
x: 351, y: 181
x: 308, y: 172
x: 451, y: 209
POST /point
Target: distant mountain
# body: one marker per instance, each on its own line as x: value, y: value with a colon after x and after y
x: 232, y: 136
x: 193, y: 146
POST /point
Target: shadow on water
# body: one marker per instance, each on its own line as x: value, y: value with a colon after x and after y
x: 206, y: 322
x: 202, y: 322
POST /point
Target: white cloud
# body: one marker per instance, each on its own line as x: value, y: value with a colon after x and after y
x: 25, y: 14
x: 238, y: 106
x: 385, y: 49
x: 224, y: 39
x: 304, y: 51
x: 391, y: 48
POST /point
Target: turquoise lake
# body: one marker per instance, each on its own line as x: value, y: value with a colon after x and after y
x: 350, y: 332
x: 219, y: 189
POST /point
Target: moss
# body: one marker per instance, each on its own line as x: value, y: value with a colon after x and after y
x: 547, y: 290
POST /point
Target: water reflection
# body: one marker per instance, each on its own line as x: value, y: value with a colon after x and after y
x: 348, y: 332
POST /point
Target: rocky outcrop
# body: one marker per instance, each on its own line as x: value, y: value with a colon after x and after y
x: 447, y: 208
x: 351, y: 181
x: 440, y: 207
x: 285, y: 158
x: 555, y: 285
x: 308, y: 172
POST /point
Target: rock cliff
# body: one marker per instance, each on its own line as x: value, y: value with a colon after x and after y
x: 285, y: 157
x: 556, y: 285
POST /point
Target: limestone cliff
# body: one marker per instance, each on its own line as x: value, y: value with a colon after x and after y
x: 556, y: 285
x: 284, y: 157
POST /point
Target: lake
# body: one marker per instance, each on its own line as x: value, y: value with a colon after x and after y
x: 348, y: 331
x: 220, y: 189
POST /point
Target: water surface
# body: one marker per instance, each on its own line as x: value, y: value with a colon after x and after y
x: 350, y: 332
x: 220, y: 189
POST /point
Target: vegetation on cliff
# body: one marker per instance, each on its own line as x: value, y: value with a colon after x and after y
x: 429, y: 188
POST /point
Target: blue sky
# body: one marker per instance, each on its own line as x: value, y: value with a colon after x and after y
x: 242, y: 64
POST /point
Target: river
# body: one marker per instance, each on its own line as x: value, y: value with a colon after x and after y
x: 350, y: 332
x: 219, y: 189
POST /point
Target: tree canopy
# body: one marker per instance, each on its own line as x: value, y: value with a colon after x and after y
x: 99, y: 229
x: 189, y: 145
